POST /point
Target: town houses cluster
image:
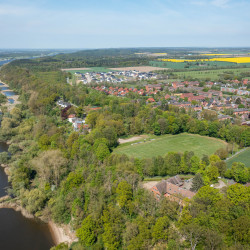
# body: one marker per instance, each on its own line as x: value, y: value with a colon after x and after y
x: 114, y: 76
x: 190, y: 95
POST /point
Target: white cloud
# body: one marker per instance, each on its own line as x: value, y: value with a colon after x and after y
x: 220, y: 3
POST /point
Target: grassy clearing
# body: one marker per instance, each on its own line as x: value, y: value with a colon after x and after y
x: 156, y: 146
x: 243, y: 157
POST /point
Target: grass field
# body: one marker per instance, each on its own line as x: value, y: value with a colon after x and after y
x: 243, y: 157
x: 212, y: 74
x: 171, y: 143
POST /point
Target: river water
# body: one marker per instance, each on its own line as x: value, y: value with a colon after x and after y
x: 16, y: 231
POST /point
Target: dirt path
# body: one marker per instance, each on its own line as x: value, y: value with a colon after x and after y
x: 219, y: 185
x: 242, y: 150
x: 135, y: 138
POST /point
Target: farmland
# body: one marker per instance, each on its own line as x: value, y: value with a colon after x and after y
x: 138, y: 68
x: 193, y: 65
x: 229, y: 59
x: 85, y: 70
x: 105, y: 70
x: 243, y: 157
x: 171, y: 143
x: 211, y: 74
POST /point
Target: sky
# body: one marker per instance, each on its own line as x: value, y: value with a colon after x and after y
x: 124, y: 23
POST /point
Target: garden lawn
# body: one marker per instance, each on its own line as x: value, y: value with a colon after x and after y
x: 243, y: 157
x: 200, y: 145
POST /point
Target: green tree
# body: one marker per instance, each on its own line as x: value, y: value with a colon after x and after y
x: 213, y: 239
x: 124, y: 194
x: 4, y: 157
x: 241, y: 229
x: 197, y: 182
x: 112, y: 227
x: 87, y: 232
x: 193, y: 233
x: 238, y: 194
x: 207, y: 196
x: 239, y: 172
x: 195, y: 164
x: 160, y: 229
x: 222, y: 167
x: 222, y: 153
x: 102, y: 151
x: 212, y: 172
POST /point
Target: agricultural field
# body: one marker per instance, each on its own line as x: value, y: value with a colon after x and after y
x: 237, y: 60
x: 161, y: 145
x: 85, y: 70
x: 193, y: 65
x: 139, y: 68
x: 211, y: 74
x: 103, y: 69
x: 243, y: 157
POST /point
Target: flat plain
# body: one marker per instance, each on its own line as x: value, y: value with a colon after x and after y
x: 139, y: 68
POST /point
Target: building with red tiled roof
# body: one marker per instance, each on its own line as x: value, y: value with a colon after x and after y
x: 167, y: 96
x: 94, y: 108
x: 188, y: 95
x: 172, y: 189
x: 151, y: 99
x: 196, y: 98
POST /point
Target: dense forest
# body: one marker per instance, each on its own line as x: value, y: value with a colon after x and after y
x: 74, y: 178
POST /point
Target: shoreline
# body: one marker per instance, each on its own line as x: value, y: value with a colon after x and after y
x: 9, y: 105
x: 59, y: 234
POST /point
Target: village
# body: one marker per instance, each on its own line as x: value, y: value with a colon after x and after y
x: 230, y: 100
x: 114, y: 76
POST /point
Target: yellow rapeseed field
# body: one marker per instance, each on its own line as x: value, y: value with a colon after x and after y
x: 228, y: 59
x: 233, y: 59
x: 182, y: 60
x: 215, y: 54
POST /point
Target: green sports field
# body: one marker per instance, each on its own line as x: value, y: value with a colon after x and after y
x: 243, y: 157
x: 171, y: 143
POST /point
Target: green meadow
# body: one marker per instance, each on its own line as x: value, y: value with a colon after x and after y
x: 212, y: 74
x: 159, y: 146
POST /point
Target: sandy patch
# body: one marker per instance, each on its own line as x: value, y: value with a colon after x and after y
x: 139, y: 68
x: 135, y: 138
x: 75, y: 69
x: 61, y: 234
x: 219, y: 185
x: 148, y: 185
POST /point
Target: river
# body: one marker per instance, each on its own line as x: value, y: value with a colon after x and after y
x: 16, y: 231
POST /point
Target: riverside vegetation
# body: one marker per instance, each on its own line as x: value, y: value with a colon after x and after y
x: 74, y: 178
